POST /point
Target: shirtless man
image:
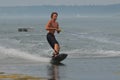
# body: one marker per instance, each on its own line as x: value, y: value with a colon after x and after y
x: 52, y: 26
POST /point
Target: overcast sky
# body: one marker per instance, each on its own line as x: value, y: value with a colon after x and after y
x: 56, y: 2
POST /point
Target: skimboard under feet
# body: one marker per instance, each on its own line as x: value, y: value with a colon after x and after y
x: 58, y: 58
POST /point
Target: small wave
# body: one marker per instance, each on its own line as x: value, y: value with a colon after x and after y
x: 14, y: 53
x: 103, y: 40
x: 96, y: 37
x: 82, y: 53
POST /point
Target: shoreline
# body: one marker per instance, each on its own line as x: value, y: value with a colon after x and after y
x: 88, y: 69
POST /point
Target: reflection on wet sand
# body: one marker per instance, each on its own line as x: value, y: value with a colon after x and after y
x: 53, y: 71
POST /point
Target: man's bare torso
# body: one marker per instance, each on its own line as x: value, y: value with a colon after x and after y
x: 52, y: 25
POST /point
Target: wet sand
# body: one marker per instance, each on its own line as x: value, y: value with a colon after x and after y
x: 71, y: 69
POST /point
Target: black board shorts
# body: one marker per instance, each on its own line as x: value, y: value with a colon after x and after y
x: 51, y: 40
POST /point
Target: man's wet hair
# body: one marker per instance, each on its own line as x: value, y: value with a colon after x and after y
x: 53, y: 14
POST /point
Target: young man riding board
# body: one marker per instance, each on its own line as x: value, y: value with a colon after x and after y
x: 52, y: 26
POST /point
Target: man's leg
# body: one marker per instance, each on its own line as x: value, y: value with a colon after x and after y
x: 56, y: 49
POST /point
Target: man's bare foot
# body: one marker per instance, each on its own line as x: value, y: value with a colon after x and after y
x: 55, y: 55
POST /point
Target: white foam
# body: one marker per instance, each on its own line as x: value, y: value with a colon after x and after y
x: 109, y: 53
x: 9, y: 52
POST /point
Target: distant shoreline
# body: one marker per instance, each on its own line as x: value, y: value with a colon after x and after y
x: 63, y: 10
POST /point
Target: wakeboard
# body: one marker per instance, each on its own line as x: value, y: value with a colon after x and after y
x: 58, y: 58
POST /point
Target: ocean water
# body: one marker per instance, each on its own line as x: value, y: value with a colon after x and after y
x: 92, y: 45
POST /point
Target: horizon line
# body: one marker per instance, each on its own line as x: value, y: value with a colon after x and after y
x: 63, y: 5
